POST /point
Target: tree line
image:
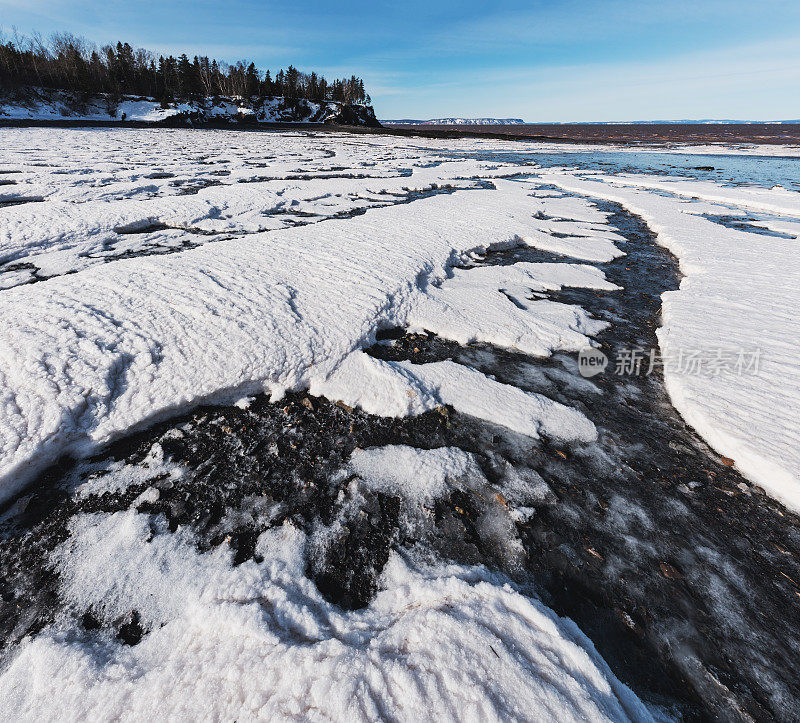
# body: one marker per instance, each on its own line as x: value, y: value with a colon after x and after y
x: 67, y: 62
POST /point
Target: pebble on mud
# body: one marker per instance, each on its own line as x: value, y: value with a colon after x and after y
x: 668, y: 571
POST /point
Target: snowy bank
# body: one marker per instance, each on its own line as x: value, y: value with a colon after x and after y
x: 741, y: 293
x: 44, y: 104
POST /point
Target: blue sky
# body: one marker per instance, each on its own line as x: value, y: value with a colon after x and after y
x: 570, y: 60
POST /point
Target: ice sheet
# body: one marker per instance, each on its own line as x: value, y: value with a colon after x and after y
x: 493, y: 304
x: 396, y: 389
x: 90, y: 356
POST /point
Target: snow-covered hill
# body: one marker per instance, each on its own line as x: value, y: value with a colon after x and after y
x: 40, y: 104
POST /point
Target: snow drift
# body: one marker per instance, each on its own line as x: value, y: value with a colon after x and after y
x: 90, y: 356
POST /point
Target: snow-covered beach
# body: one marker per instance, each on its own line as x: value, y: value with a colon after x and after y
x: 439, y: 293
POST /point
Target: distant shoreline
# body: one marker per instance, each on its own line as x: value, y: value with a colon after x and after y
x: 629, y: 133
x: 520, y: 122
x: 289, y: 126
x: 589, y: 133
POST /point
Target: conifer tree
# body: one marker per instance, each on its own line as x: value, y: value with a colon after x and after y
x: 252, y: 81
x: 70, y: 63
x: 266, y: 85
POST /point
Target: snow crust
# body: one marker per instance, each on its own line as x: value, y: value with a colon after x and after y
x: 776, y: 200
x: 258, y: 641
x: 96, y: 212
x: 596, y: 248
x: 569, y: 225
x: 398, y: 389
x: 492, y: 304
x: 79, y: 227
x: 106, y: 198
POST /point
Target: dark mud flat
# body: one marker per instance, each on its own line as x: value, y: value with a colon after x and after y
x: 636, y: 133
x: 681, y: 572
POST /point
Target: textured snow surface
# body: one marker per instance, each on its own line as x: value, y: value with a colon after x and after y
x: 110, y: 194
x: 741, y: 292
x: 258, y: 641
x: 777, y: 200
x: 468, y: 307
x: 120, y: 211
x: 90, y: 356
x: 398, y: 389
x: 571, y: 226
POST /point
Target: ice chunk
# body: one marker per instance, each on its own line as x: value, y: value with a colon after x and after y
x: 421, y: 475
x: 491, y: 304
